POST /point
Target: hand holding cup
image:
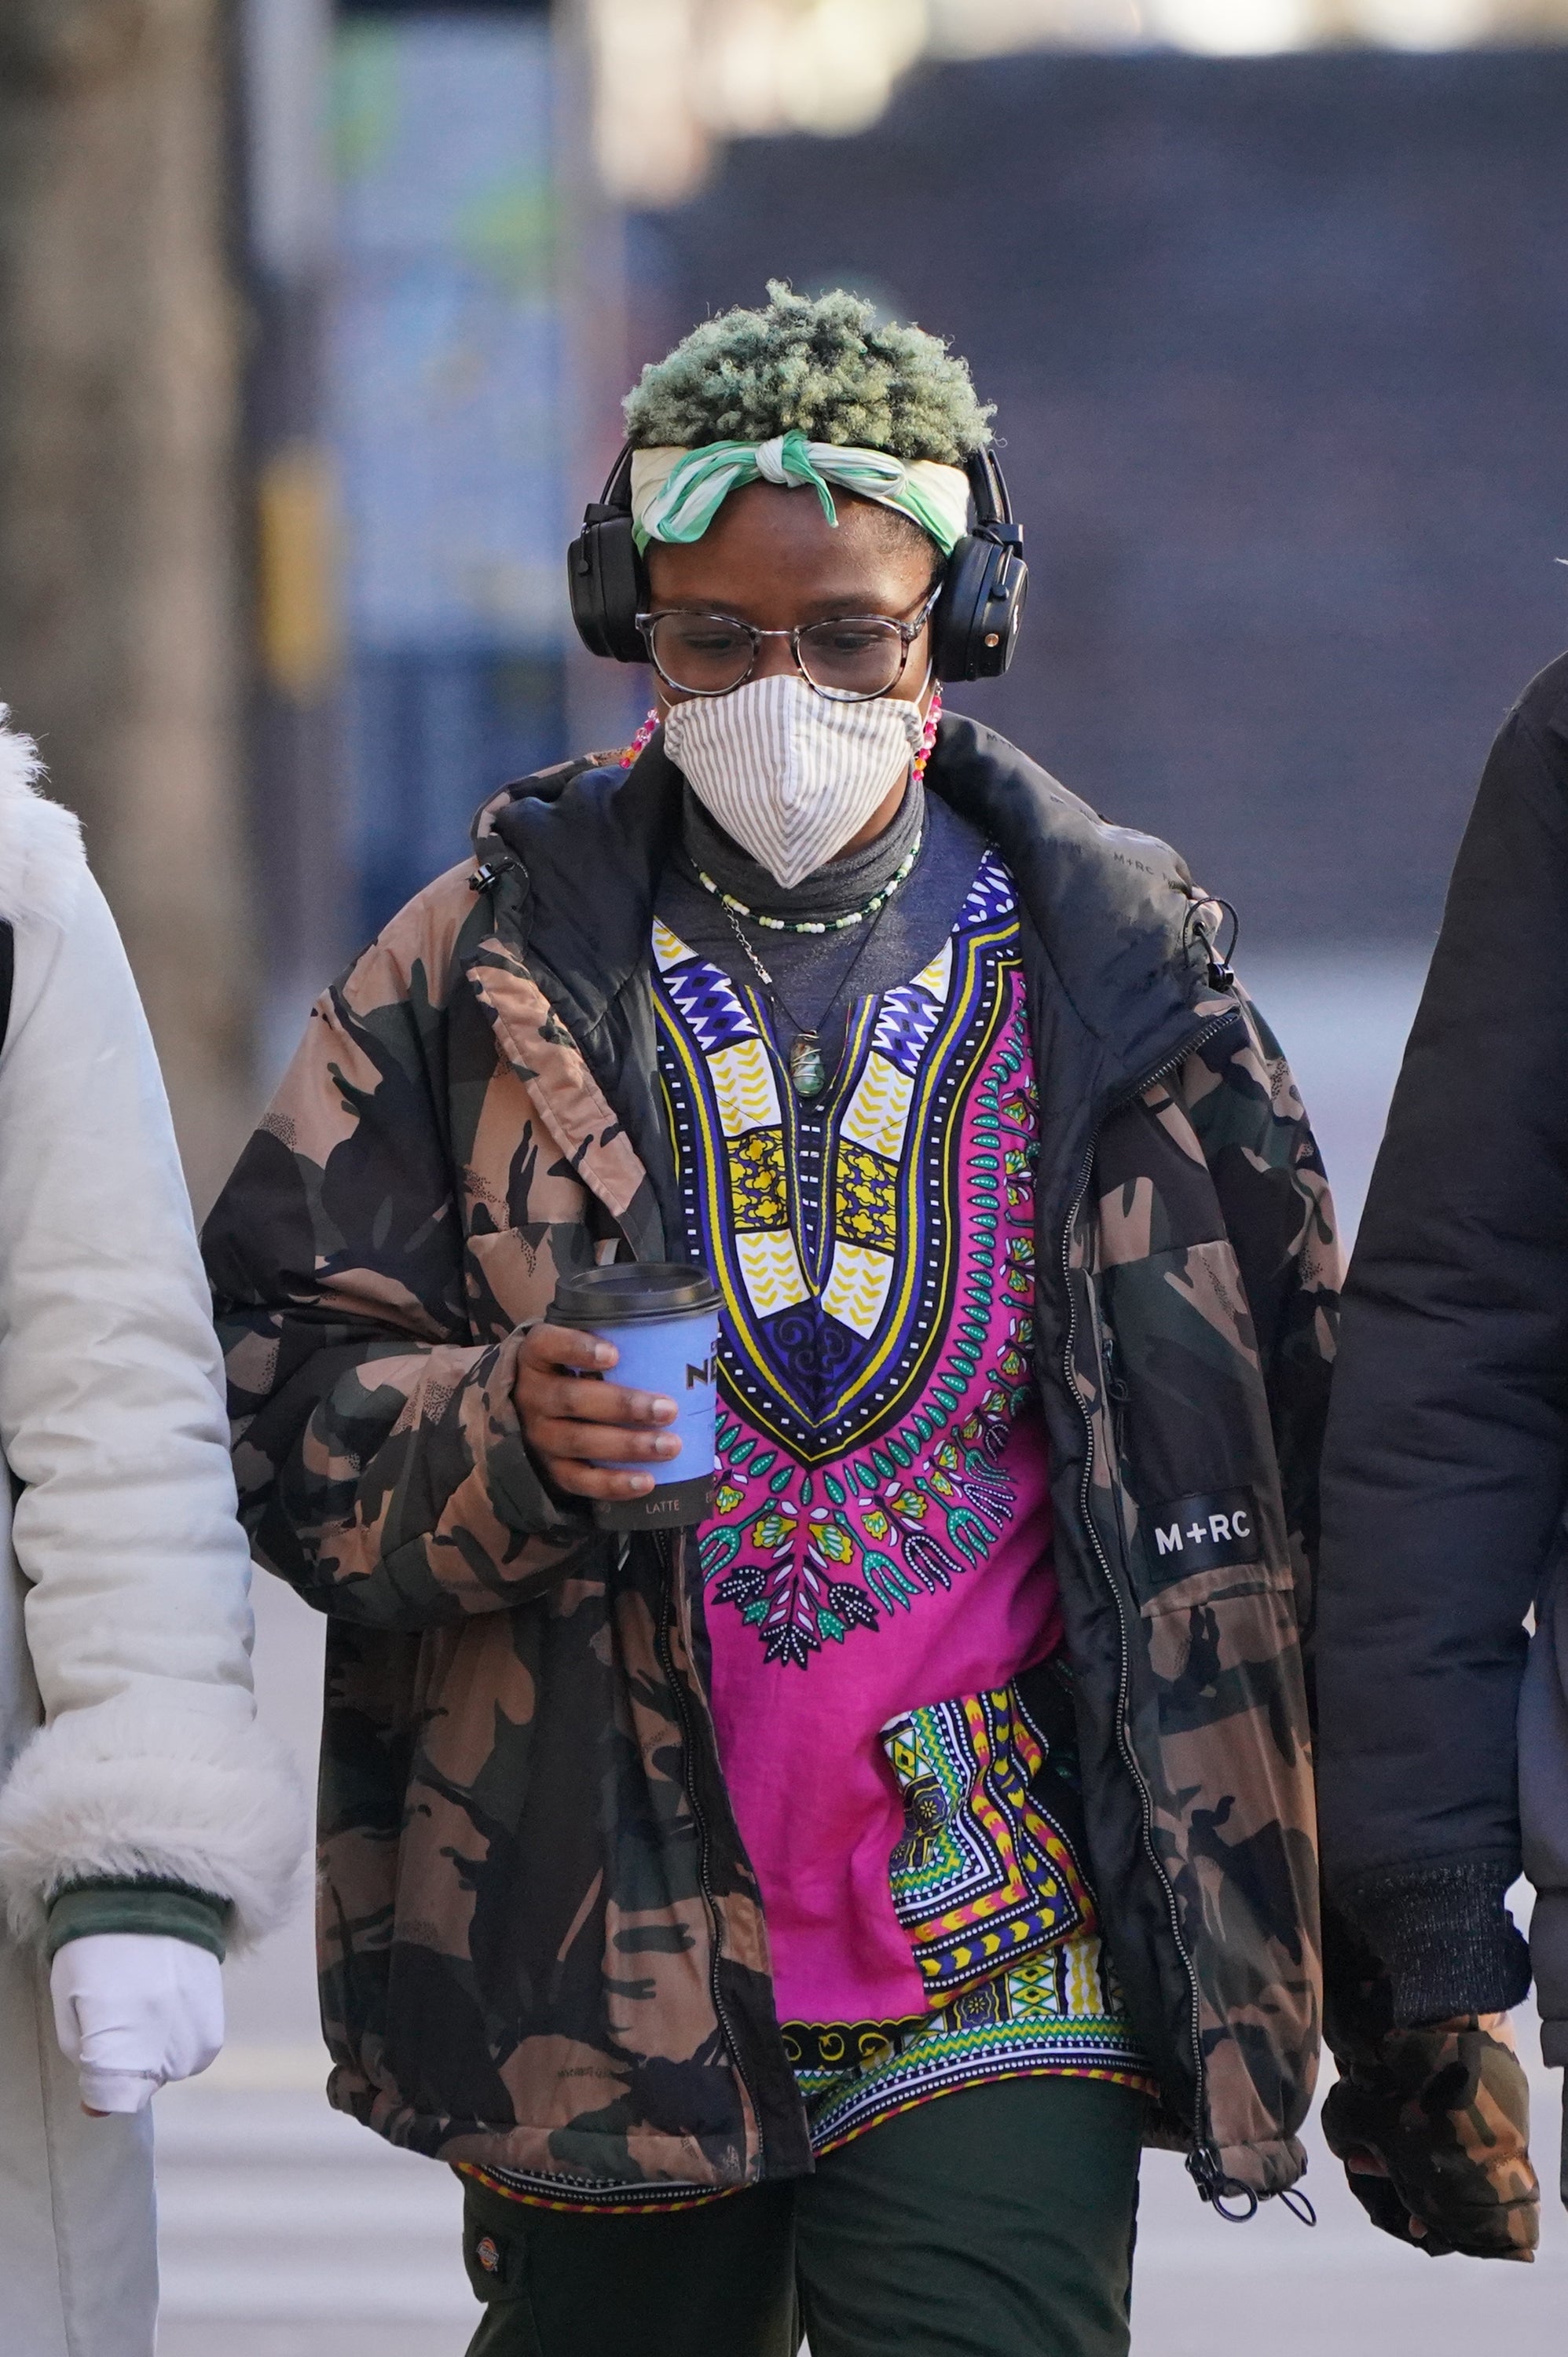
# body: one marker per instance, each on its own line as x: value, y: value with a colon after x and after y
x: 589, y: 1436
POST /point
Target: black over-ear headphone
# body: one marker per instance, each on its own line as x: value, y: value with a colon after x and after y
x: 974, y: 627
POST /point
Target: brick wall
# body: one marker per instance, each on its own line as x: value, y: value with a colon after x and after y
x: 1281, y: 350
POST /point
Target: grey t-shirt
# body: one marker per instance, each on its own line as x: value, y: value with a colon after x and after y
x: 819, y: 977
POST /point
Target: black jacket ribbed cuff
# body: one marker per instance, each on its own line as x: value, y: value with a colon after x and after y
x: 1443, y: 1936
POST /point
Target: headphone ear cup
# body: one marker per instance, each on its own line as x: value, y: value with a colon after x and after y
x: 604, y: 580
x: 1002, y: 615
x: 954, y: 619
x: 976, y: 626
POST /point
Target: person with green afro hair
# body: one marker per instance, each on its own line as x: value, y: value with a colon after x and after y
x: 803, y: 1418
x: 821, y: 364
x: 809, y: 391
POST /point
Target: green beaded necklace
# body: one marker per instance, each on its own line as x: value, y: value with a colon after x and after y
x: 873, y: 908
x: 808, y: 1072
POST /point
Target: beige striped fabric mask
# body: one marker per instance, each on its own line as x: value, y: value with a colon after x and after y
x: 790, y: 776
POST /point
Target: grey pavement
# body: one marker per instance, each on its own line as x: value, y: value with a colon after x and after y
x: 289, y: 2232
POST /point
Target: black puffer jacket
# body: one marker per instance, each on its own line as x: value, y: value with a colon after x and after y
x: 1446, y: 1470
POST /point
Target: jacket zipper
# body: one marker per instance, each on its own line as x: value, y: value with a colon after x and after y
x: 483, y: 877
x: 1203, y: 2162
x: 1116, y: 1395
x: 699, y: 1819
x: 704, y: 1881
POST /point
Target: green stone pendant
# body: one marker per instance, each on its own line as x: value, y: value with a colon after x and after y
x: 807, y: 1070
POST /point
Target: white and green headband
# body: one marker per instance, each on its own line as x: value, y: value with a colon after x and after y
x: 675, y: 493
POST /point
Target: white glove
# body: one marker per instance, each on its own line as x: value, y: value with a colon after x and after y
x: 134, y: 2010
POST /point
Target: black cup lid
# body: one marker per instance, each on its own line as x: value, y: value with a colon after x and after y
x: 627, y: 1289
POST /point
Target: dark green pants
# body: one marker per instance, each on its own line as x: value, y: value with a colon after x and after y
x: 994, y: 2222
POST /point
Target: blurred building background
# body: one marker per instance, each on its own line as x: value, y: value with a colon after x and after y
x: 313, y: 324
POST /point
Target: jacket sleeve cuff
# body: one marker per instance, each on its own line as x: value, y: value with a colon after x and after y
x: 139, y: 1788
x: 523, y: 1495
x: 1443, y: 1936
x: 171, y: 1910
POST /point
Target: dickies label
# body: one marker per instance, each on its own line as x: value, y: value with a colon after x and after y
x: 1211, y: 1530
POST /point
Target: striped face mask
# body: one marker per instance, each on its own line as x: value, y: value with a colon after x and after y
x: 789, y: 775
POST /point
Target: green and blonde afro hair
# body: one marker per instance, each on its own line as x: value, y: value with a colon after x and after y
x: 820, y: 364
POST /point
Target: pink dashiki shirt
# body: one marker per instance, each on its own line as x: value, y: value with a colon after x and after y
x: 877, y: 1567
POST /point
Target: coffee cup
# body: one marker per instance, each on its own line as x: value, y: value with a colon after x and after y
x: 663, y: 1316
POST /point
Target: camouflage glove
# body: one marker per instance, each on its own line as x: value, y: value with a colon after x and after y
x: 1434, y: 2128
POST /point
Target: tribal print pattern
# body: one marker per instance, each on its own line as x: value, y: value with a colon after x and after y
x: 982, y: 1875
x: 874, y: 1340
x: 1059, y: 2015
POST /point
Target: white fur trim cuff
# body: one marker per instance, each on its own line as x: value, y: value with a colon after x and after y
x: 122, y: 1789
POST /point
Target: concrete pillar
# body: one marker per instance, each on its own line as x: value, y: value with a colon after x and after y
x: 118, y: 638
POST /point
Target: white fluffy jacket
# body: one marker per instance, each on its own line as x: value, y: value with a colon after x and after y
x: 128, y: 1738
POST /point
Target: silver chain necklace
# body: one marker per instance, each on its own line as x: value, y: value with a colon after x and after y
x: 808, y: 1071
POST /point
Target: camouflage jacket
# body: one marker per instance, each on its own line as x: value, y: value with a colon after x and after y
x: 541, y: 1942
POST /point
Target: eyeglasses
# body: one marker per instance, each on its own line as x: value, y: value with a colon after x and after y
x: 849, y: 661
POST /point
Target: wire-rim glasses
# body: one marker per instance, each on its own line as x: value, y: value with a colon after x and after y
x: 850, y: 659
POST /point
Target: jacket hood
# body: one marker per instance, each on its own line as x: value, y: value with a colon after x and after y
x: 1127, y: 933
